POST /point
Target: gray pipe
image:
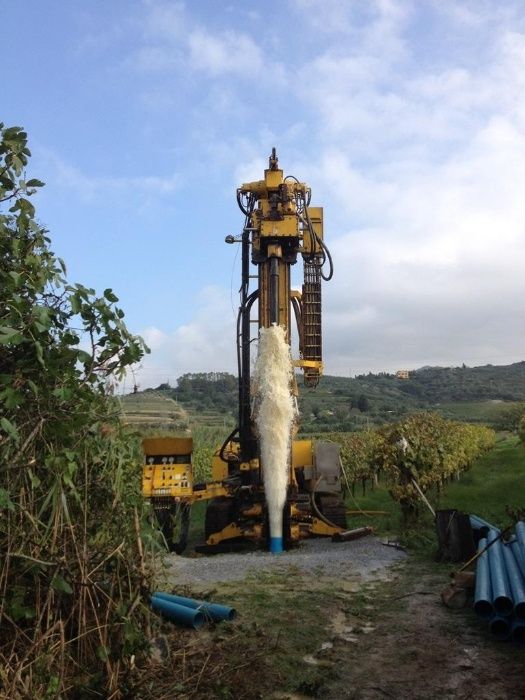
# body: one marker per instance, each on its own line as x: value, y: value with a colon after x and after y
x: 517, y: 584
x: 483, y: 594
x: 501, y: 591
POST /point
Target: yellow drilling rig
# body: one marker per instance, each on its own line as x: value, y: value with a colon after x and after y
x: 280, y: 228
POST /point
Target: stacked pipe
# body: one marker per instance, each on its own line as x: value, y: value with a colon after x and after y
x: 188, y: 611
x: 500, y: 581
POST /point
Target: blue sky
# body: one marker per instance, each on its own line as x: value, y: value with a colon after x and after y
x: 407, y: 119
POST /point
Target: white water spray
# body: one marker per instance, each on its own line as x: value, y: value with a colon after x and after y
x: 274, y: 418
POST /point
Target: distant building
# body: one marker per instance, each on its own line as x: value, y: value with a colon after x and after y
x: 403, y: 374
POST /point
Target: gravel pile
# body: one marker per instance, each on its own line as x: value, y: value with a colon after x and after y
x: 365, y: 559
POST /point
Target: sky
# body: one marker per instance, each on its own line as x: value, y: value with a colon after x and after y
x: 406, y: 118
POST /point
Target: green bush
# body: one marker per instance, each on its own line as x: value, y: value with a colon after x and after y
x: 72, y: 561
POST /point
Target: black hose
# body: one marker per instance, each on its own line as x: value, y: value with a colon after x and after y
x: 228, y: 439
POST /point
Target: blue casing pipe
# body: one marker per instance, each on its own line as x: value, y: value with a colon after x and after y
x: 501, y: 591
x: 212, y: 611
x: 518, y: 630
x: 478, y: 523
x: 500, y: 627
x: 483, y: 594
x: 276, y: 545
x: 178, y: 613
x: 516, y: 581
x: 516, y: 550
x: 520, y: 536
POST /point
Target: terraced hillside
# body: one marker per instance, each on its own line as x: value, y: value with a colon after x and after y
x: 154, y: 410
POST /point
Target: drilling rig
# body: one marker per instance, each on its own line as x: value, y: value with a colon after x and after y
x: 280, y: 228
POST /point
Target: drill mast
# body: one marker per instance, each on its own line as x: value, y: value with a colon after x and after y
x: 280, y: 225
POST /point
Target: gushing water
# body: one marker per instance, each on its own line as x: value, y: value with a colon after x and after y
x: 274, y: 418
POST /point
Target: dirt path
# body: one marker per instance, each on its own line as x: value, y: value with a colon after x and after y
x: 417, y: 648
x: 340, y: 631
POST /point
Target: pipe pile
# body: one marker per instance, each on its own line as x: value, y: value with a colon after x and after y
x: 499, y: 596
x: 188, y: 611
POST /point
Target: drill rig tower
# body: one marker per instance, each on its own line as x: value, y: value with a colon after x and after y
x: 280, y: 229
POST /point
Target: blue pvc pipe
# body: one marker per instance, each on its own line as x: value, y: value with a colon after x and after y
x: 520, y: 536
x: 178, y: 613
x: 276, y: 545
x: 212, y: 611
x: 483, y: 594
x: 500, y: 627
x: 516, y: 550
x: 518, y: 631
x: 478, y: 523
x: 516, y: 581
x: 501, y: 591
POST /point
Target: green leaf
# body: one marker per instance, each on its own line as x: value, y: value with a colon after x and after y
x: 5, y: 501
x: 10, y: 429
x: 34, y: 183
x: 39, y: 353
x: 102, y: 653
x: 59, y: 583
x: 110, y: 296
x: 10, y: 336
x: 11, y: 398
x: 83, y: 356
x: 35, y: 481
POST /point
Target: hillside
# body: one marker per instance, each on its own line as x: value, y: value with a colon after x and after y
x: 478, y: 394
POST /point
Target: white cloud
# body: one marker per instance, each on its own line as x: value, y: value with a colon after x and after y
x: 204, y: 344
x: 143, y: 188
x: 231, y: 52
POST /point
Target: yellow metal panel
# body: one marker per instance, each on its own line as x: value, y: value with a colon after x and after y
x: 302, y: 453
x: 285, y: 228
x: 273, y: 178
x: 157, y: 447
x: 173, y: 480
x: 219, y: 469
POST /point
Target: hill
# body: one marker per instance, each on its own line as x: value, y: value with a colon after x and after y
x: 477, y: 394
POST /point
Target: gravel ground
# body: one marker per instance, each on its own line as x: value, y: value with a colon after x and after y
x: 364, y: 559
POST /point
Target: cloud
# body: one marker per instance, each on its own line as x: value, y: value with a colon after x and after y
x: 204, y: 344
x: 173, y: 38
x: 420, y: 172
x: 144, y: 188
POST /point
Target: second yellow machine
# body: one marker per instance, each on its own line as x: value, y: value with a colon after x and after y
x: 280, y: 228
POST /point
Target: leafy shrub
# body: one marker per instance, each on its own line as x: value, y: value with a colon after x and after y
x: 72, y: 563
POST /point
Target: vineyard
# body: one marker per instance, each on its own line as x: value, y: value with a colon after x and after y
x: 425, y: 451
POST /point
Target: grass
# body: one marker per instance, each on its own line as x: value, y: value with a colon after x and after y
x: 486, y: 412
x: 494, y: 485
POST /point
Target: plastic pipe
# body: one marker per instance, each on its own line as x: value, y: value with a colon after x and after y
x: 276, y: 545
x: 478, y: 523
x: 520, y: 536
x: 212, y: 611
x: 500, y: 627
x: 501, y: 591
x: 517, y: 584
x: 180, y: 614
x: 483, y: 594
x: 518, y: 631
x: 516, y: 550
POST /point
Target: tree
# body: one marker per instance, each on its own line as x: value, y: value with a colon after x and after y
x: 71, y: 564
x: 362, y: 403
